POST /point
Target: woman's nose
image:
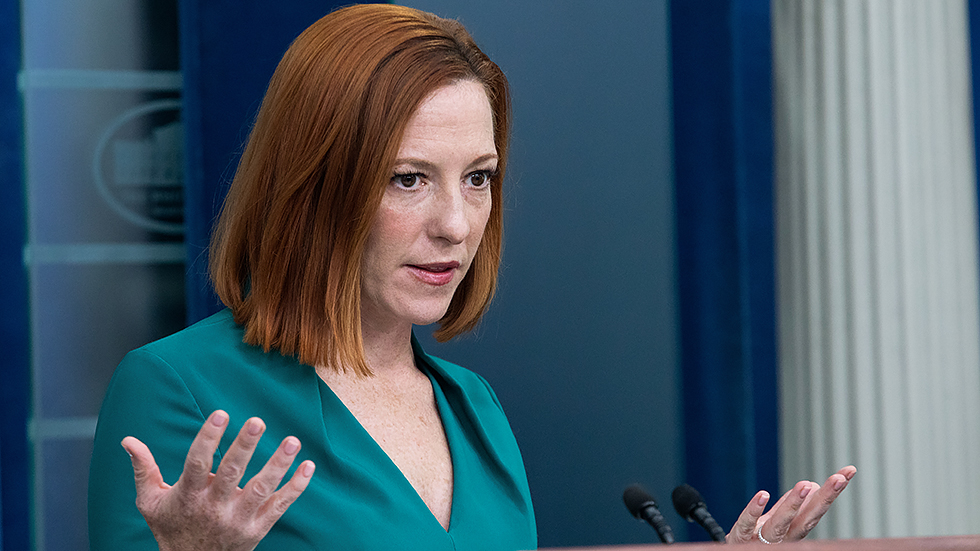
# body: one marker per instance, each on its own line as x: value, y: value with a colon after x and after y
x: 448, y: 218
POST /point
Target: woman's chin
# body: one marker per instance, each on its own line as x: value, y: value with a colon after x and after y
x: 433, y: 314
x: 430, y: 319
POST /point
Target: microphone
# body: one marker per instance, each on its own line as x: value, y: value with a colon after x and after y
x: 691, y: 507
x: 643, y: 506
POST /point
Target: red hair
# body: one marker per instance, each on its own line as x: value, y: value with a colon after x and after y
x: 286, y: 252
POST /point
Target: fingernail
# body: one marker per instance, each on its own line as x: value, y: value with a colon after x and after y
x: 805, y: 491
x: 219, y: 418
x: 291, y: 446
x: 127, y: 451
x: 763, y: 499
x: 254, y: 428
x: 308, y: 469
x: 839, y: 485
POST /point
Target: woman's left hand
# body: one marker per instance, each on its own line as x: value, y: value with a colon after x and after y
x: 793, y: 516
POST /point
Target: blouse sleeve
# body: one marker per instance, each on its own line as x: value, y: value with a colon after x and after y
x: 147, y: 399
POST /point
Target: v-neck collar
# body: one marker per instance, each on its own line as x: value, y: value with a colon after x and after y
x: 333, y: 405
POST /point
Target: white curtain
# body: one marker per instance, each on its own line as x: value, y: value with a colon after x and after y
x: 876, y: 222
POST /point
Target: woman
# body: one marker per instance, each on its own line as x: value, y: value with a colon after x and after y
x: 367, y: 201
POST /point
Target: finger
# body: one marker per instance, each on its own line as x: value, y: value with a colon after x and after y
x: 264, y: 484
x: 145, y: 469
x: 822, y: 498
x: 197, y: 465
x: 782, y: 499
x: 236, y: 459
x: 745, y: 526
x: 777, y: 526
x: 282, y: 499
x: 814, y: 488
x: 149, y: 482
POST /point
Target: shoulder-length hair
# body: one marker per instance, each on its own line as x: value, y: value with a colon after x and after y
x: 286, y: 252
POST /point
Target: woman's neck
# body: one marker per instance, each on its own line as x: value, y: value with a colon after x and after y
x: 388, y: 351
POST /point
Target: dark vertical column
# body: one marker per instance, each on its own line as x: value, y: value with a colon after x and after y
x: 229, y: 50
x: 14, y: 324
x: 973, y: 7
x: 724, y: 177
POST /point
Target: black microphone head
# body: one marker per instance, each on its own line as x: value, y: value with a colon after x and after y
x: 686, y: 499
x: 636, y: 499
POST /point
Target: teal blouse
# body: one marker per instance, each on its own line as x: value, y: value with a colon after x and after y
x: 357, y: 500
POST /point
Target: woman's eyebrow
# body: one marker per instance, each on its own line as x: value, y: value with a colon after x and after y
x: 427, y: 166
x: 484, y: 158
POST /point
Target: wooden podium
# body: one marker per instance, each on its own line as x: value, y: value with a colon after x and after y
x: 944, y: 543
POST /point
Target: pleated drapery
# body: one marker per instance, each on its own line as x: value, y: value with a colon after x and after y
x: 876, y: 221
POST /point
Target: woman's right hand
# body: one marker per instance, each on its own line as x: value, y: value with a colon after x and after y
x: 208, y: 511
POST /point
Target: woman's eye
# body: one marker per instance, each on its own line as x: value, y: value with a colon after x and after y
x: 406, y: 181
x: 481, y: 178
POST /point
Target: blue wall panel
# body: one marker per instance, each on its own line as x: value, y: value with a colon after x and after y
x: 973, y: 7
x: 723, y: 155
x: 14, y: 390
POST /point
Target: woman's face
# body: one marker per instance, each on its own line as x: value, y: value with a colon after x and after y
x: 434, y: 210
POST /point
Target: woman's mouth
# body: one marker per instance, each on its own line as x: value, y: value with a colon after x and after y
x: 436, y: 273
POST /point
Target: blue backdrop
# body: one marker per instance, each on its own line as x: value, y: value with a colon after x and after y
x: 724, y: 179
x: 14, y: 390
x: 974, y: 25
